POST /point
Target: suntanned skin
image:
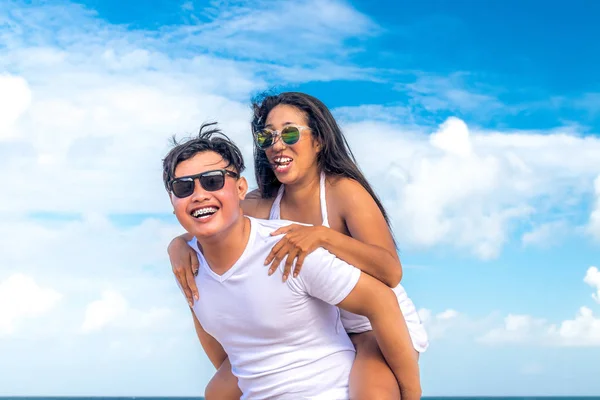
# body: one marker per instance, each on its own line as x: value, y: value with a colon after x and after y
x: 371, y: 375
x: 361, y: 238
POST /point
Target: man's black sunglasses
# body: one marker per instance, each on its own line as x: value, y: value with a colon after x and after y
x: 210, y: 181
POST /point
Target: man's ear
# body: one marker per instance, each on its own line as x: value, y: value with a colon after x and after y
x: 242, y: 187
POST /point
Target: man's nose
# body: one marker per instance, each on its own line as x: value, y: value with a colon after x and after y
x: 199, y: 193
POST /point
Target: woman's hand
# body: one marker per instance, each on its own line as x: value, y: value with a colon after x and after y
x: 298, y: 242
x: 184, y: 262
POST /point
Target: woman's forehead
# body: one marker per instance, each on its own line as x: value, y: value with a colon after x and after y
x: 283, y: 114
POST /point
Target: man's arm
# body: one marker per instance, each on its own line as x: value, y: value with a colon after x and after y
x: 338, y: 283
x: 377, y: 302
x: 211, y: 346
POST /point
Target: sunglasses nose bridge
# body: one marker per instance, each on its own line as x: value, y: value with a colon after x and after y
x: 278, y: 142
x: 199, y: 192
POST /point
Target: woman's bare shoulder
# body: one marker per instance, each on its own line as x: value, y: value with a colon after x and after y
x: 342, y: 187
x: 254, y: 205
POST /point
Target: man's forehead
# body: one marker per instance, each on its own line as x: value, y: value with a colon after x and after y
x: 205, y: 161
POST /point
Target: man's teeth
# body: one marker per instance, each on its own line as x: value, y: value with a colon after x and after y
x: 204, y: 211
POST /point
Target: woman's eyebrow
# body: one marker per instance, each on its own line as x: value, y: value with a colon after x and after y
x: 284, y: 124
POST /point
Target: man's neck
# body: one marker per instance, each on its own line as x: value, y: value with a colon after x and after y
x: 223, y: 250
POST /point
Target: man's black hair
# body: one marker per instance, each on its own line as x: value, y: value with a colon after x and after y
x: 210, y: 138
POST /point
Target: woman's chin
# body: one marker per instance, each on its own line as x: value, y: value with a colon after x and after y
x: 286, y: 179
x: 285, y: 176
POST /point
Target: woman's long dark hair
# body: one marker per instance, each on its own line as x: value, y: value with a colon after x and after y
x: 335, y: 157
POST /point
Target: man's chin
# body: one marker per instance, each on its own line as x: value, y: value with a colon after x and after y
x: 205, y: 233
x: 206, y: 230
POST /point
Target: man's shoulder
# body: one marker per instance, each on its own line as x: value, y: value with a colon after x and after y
x: 270, y: 225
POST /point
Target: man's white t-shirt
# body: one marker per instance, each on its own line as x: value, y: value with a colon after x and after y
x: 284, y: 340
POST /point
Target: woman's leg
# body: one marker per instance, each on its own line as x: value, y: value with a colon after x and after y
x: 371, y: 378
x: 223, y: 385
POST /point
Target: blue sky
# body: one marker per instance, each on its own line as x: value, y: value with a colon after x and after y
x: 477, y: 122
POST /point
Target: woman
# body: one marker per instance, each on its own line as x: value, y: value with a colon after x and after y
x: 306, y: 173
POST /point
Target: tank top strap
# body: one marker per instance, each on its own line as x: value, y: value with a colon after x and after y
x: 276, y: 206
x: 323, y: 201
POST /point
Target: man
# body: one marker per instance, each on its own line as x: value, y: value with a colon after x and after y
x: 283, y: 340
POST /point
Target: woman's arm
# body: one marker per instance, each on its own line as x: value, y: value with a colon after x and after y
x: 369, y: 258
x: 370, y: 246
x: 184, y: 262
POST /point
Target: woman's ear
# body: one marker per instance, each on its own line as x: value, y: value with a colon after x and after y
x: 318, y: 146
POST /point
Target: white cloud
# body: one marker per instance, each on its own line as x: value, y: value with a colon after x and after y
x: 452, y: 138
x: 545, y: 235
x: 21, y: 297
x: 592, y: 278
x: 15, y: 97
x: 439, y: 325
x: 516, y: 329
x: 187, y: 6
x: 81, y: 259
x: 102, y: 312
x: 472, y: 188
x: 243, y: 30
x: 594, y: 223
x: 435, y: 93
x: 581, y: 331
x: 112, y: 309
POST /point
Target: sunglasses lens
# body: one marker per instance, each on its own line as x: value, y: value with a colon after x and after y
x: 264, y: 139
x: 183, y: 188
x: 212, y: 182
x: 290, y: 134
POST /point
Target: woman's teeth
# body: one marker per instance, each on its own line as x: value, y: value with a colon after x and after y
x: 281, y: 164
x: 282, y: 160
